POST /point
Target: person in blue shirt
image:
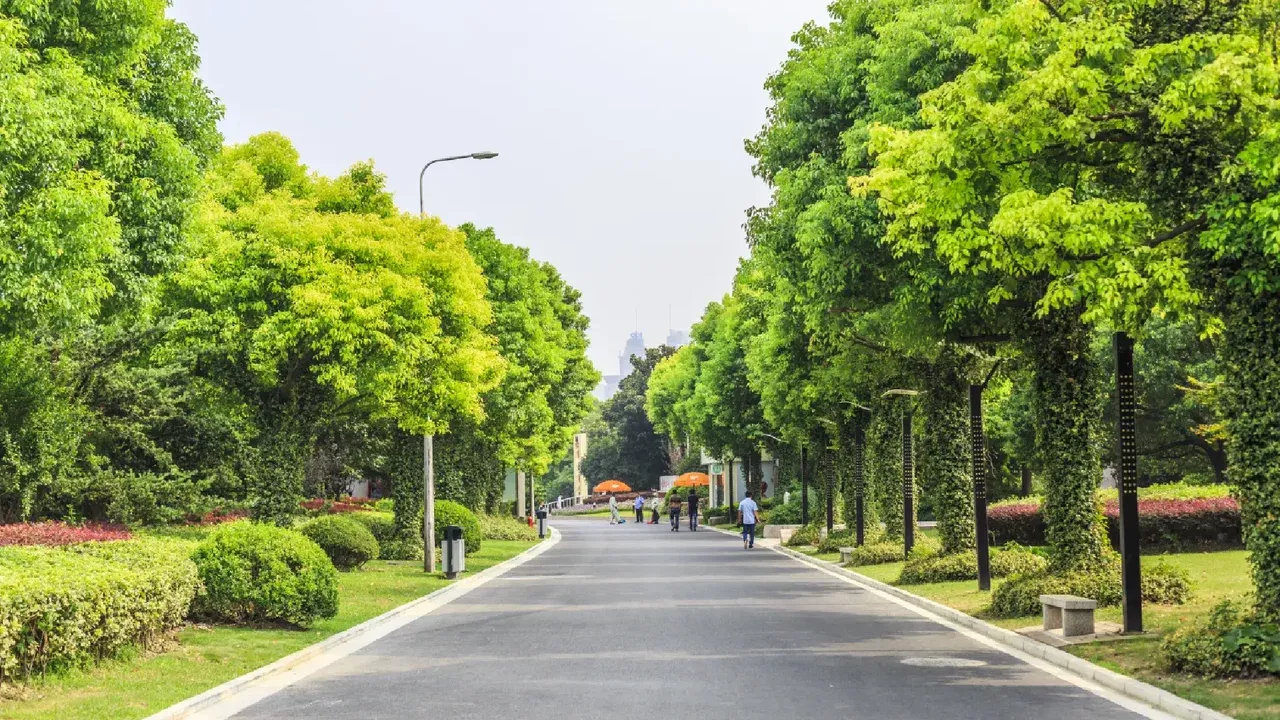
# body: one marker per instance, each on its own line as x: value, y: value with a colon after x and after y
x: 747, y: 510
x: 639, y: 508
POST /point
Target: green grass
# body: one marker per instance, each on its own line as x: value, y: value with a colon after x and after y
x: 1215, y: 577
x: 139, y: 684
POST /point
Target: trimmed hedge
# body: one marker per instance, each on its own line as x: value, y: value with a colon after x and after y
x: 1010, y: 560
x: 452, y: 513
x: 1019, y: 596
x: 59, y: 533
x: 505, y: 527
x: 63, y: 607
x: 348, y: 543
x: 1163, y: 525
x: 253, y: 572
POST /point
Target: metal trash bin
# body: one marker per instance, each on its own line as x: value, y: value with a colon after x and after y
x: 453, y: 551
x: 542, y: 522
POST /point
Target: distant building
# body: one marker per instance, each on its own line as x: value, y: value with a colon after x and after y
x: 609, y: 383
x: 677, y: 338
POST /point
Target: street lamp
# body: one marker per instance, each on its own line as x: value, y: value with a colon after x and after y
x: 908, y: 471
x: 859, y: 468
x: 428, y: 441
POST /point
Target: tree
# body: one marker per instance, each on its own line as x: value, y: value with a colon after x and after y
x: 631, y: 449
x: 314, y: 314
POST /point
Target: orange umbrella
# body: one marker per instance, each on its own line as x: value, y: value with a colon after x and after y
x: 612, y: 486
x: 692, y: 479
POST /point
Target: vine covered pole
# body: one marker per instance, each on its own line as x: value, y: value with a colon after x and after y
x: 1126, y: 437
x: 979, y: 486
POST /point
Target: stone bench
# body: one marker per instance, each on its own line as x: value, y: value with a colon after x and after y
x: 716, y: 520
x: 1074, y: 615
x: 846, y: 555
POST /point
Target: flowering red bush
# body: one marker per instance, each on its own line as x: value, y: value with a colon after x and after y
x: 1203, y: 523
x: 57, y: 533
x: 356, y: 501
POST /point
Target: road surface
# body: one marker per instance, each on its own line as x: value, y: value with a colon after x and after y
x: 635, y: 621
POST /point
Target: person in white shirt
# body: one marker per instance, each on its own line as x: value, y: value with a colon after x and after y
x: 613, y: 511
x: 747, y: 510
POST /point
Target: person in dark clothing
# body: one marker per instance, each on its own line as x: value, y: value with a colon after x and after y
x: 673, y: 508
x: 692, y: 509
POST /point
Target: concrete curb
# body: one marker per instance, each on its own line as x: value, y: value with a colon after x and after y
x: 1127, y: 686
x: 203, y: 705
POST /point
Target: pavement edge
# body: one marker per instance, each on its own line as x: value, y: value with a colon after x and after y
x: 1122, y: 684
x: 358, y: 636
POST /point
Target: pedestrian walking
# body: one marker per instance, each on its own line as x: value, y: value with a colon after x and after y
x: 747, y: 510
x: 639, y: 508
x: 654, y: 502
x: 692, y: 510
x: 614, y: 518
x: 673, y: 508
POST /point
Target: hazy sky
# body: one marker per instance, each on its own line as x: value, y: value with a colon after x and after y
x: 620, y: 124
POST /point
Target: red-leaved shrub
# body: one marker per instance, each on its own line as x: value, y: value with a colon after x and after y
x: 321, y: 506
x: 57, y: 533
x: 1163, y: 525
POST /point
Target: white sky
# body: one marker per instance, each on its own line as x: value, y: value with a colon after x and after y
x: 620, y: 124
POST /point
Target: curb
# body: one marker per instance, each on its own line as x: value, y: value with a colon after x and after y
x: 354, y: 637
x: 1083, y: 669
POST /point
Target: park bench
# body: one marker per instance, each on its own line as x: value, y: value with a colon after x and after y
x: 1074, y: 615
x: 716, y: 520
x: 846, y: 555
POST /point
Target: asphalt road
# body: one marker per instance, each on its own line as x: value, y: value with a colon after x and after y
x: 635, y: 621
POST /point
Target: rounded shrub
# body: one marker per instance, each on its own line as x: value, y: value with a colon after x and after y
x: 1019, y: 596
x: 451, y: 513
x: 253, y: 572
x: 382, y: 525
x: 402, y: 548
x: 347, y: 542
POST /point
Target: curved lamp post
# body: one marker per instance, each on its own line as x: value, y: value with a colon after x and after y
x: 428, y: 441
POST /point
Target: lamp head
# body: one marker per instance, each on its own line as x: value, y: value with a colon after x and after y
x: 483, y: 155
x: 899, y: 391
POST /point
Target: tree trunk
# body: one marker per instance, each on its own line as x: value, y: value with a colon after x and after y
x: 1067, y: 395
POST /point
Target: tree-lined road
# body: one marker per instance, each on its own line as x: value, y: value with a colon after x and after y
x: 638, y: 622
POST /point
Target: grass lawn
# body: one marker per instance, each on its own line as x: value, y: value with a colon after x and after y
x: 137, y: 685
x: 1215, y: 577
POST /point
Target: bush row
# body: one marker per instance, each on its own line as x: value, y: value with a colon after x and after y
x: 1163, y: 525
x: 1013, y: 559
x: 66, y: 606
x: 59, y: 533
x: 1165, y: 491
x: 1019, y: 596
x: 505, y: 527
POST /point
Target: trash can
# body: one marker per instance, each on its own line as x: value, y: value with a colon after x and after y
x: 542, y: 521
x: 453, y: 551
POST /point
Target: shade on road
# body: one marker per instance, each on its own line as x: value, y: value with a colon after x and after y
x: 634, y: 621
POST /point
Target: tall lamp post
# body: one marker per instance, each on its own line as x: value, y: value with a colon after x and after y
x: 859, y: 469
x: 908, y: 471
x: 428, y: 441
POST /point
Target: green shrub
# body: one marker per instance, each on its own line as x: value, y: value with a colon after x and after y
x: 410, y: 548
x: 1019, y: 596
x: 348, y: 543
x: 807, y: 535
x: 877, y: 553
x: 65, y: 606
x: 505, y: 527
x: 786, y: 514
x: 382, y: 525
x: 1011, y: 560
x: 1231, y: 642
x: 260, y: 573
x: 836, y: 540
x: 387, y: 505
x: 451, y: 513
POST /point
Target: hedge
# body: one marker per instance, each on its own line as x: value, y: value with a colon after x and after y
x: 1010, y: 560
x: 349, y: 544
x: 1163, y: 525
x: 505, y: 527
x: 254, y: 572
x: 59, y: 533
x: 66, y: 606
